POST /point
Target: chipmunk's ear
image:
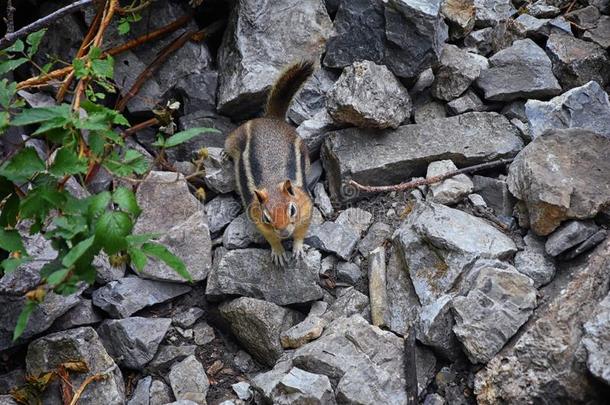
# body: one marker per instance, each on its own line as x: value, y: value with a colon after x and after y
x: 287, y: 187
x: 261, y: 195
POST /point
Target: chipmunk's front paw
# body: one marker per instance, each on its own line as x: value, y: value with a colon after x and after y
x: 279, y: 258
x: 298, y: 252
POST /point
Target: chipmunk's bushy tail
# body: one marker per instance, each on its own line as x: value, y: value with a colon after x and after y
x: 286, y: 86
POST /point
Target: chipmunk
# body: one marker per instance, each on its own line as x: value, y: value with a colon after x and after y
x: 271, y: 162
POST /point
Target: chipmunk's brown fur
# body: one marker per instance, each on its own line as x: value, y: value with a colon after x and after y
x: 271, y: 163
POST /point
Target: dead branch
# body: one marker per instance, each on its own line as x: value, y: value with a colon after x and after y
x: 138, y: 127
x: 424, y: 182
x: 11, y: 37
x: 81, y: 389
x: 138, y: 8
x: 10, y: 17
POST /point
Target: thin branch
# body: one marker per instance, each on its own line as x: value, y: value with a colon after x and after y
x: 9, y: 38
x: 81, y: 389
x: 138, y: 127
x: 135, y: 9
x: 10, y: 17
x: 435, y: 179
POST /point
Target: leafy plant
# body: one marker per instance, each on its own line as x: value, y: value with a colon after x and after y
x: 33, y: 193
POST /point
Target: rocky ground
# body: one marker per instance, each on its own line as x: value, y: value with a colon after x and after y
x: 486, y: 288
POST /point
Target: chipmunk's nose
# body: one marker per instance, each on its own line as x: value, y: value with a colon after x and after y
x: 286, y: 232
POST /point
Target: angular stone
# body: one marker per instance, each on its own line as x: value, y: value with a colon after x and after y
x: 438, y: 243
x: 160, y: 393
x: 403, y: 304
x: 349, y: 273
x: 141, y: 394
x: 313, y: 131
x: 356, y: 218
x: 322, y: 200
x: 459, y: 15
x: 488, y: 13
x: 133, y: 342
x: 561, y: 175
x: 333, y: 238
x: 376, y: 235
x: 428, y: 111
x: 242, y: 233
x: 124, y: 297
x: 584, y: 107
x: 260, y: 40
x: 189, y: 381
x: 310, y: 329
x: 251, y: 273
x: 187, y: 151
x: 477, y: 201
x: 311, y: 99
x: 168, y: 355
x: 219, y: 173
x: 495, y: 193
x: 600, y: 34
x: 349, y: 302
x: 480, y: 41
x: 467, y: 103
x: 258, y: 325
x: 520, y: 71
x: 203, y: 333
x: 526, y: 370
x: 456, y: 70
x: 299, y: 386
x: 585, y: 17
x: 380, y: 158
x: 434, y: 328
x: 499, y: 302
x: 377, y: 287
x: 368, y: 95
x: 568, y: 235
x: 221, y: 211
x: 597, y: 341
x: 577, y: 62
x: 541, y: 9
x: 449, y: 191
x: 534, y: 262
x: 187, y: 318
x: 592, y: 241
x: 81, y: 344
x: 242, y: 390
x: 81, y: 314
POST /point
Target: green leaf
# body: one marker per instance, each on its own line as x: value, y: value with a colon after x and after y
x: 77, y: 251
x: 137, y: 240
x: 103, y: 67
x: 95, y: 52
x: 132, y: 162
x: 98, y: 204
x: 24, y: 316
x: 11, y: 64
x: 8, y: 216
x: 57, y: 277
x: 33, y: 41
x: 124, y: 27
x: 138, y: 259
x: 10, y: 240
x: 22, y: 165
x: 40, y: 200
x: 4, y: 121
x: 126, y: 200
x: 7, y: 92
x: 11, y: 264
x: 68, y: 226
x: 18, y: 46
x: 67, y: 162
x: 162, y: 253
x: 185, y: 136
x: 80, y: 68
x: 111, y: 229
x: 35, y: 115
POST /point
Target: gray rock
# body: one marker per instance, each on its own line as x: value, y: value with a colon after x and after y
x: 219, y: 173
x: 242, y: 390
x: 428, y: 111
x: 124, y: 297
x: 82, y: 344
x: 313, y: 131
x: 203, y: 333
x: 334, y: 238
x: 356, y: 218
x: 251, y: 273
x: 477, y: 201
x: 376, y: 235
x: 592, y: 241
x: 467, y: 103
x: 577, y: 62
x: 7, y: 400
x: 435, y: 328
x: 568, y: 235
x: 167, y: 355
x: 160, y: 393
x: 133, y: 342
x: 311, y: 99
x: 376, y: 158
x: 298, y: 335
x: 377, y: 287
x: 520, y: 71
x: 258, y: 325
x: 242, y: 233
x: 349, y: 302
x: 495, y: 193
x: 221, y: 211
x: 534, y: 262
x: 585, y: 107
x: 299, y: 386
x: 600, y: 34
x: 525, y: 371
x: 141, y: 394
x: 585, y: 17
x: 459, y: 15
x: 488, y: 13
x: 368, y: 95
x: 169, y: 208
x: 349, y: 273
x: 480, y: 41
x: 515, y: 109
x: 456, y: 70
x: 189, y: 402
x: 259, y: 41
x: 570, y: 185
x: 12, y: 379
x: 499, y: 302
x: 189, y: 381
x: 447, y: 240
x: 200, y: 119
x: 81, y: 314
x: 105, y: 271
x: 449, y: 191
x: 322, y: 200
x: 187, y: 318
x: 541, y: 9
x: 597, y: 341
x: 434, y: 399
x: 403, y: 303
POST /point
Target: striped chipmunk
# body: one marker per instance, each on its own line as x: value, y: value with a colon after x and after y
x: 271, y: 162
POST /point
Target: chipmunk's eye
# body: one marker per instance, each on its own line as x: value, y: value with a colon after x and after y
x: 266, y: 217
x: 292, y: 210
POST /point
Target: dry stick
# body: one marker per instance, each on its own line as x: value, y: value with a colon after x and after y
x: 10, y: 17
x: 138, y: 127
x: 9, y: 38
x: 165, y: 30
x: 82, y: 387
x: 423, y: 182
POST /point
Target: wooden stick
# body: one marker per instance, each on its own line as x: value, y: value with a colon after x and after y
x: 84, y: 385
x: 138, y: 127
x: 10, y: 17
x: 435, y: 179
x: 9, y: 38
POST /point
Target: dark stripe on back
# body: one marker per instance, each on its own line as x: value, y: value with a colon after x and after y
x: 304, y: 157
x: 243, y: 183
x: 255, y: 166
x: 291, y: 169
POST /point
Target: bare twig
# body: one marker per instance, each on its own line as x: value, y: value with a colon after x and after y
x: 129, y: 10
x: 138, y: 127
x: 10, y: 17
x: 423, y: 182
x: 81, y: 389
x: 9, y: 38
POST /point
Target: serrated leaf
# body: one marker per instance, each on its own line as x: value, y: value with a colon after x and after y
x: 77, y: 251
x: 57, y: 277
x: 162, y: 253
x: 22, y: 165
x: 33, y: 41
x: 80, y: 68
x: 7, y: 92
x: 24, y: 316
x: 132, y: 162
x: 67, y: 162
x: 18, y: 46
x: 55, y: 123
x: 40, y: 200
x: 185, y: 136
x: 11, y: 64
x: 98, y: 204
x: 111, y: 229
x: 124, y: 27
x: 8, y: 216
x: 67, y: 227
x: 95, y: 52
x: 10, y: 240
x: 137, y: 240
x: 35, y: 115
x: 103, y: 67
x: 126, y: 200
x: 138, y: 259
